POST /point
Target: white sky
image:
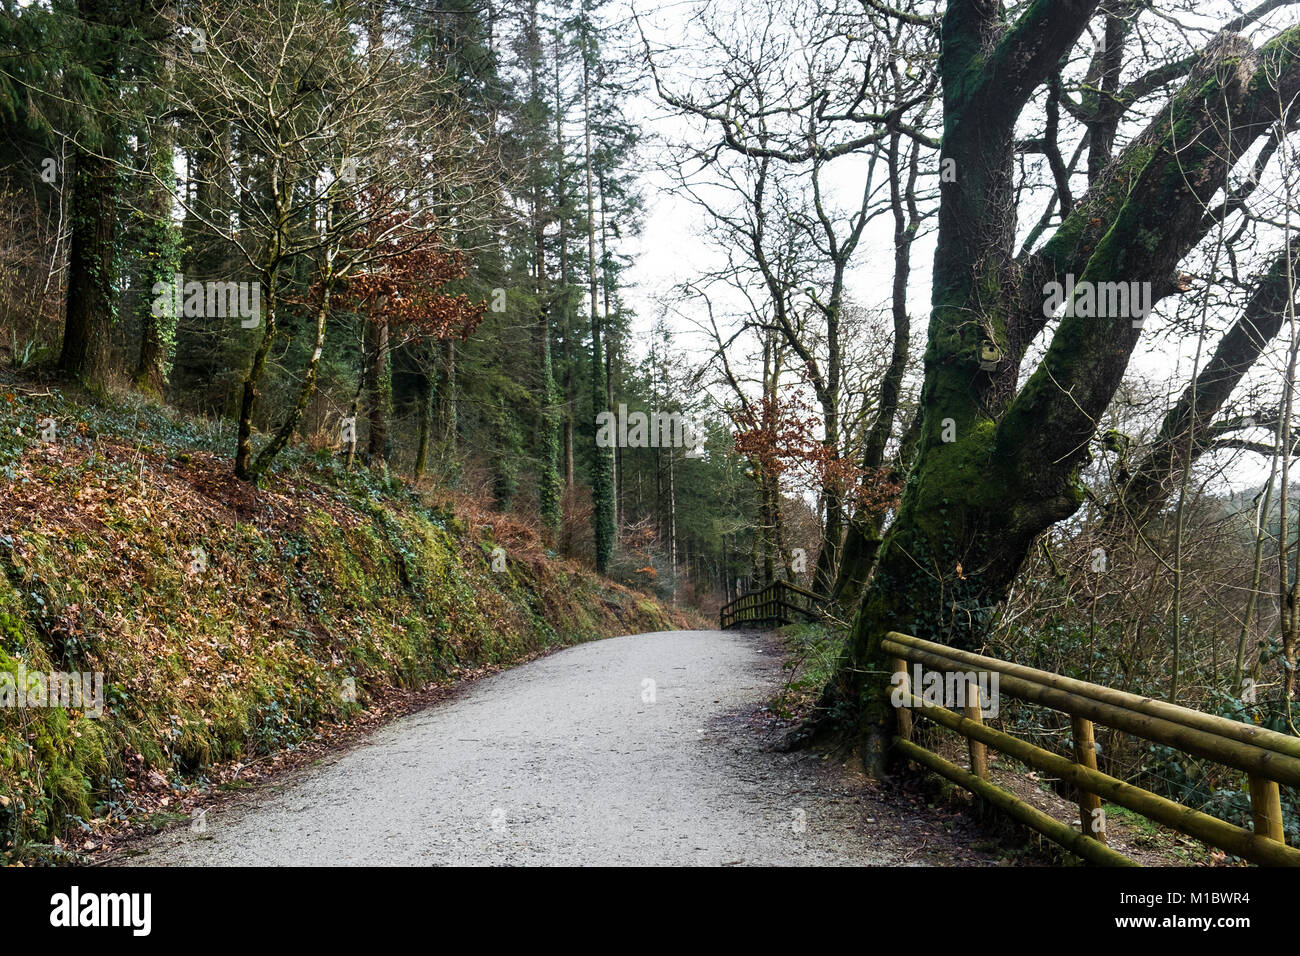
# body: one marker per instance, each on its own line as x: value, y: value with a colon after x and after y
x: 672, y: 250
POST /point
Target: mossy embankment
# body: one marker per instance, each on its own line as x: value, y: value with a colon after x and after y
x: 231, y: 621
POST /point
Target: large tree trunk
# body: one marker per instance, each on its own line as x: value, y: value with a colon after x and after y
x: 160, y: 245
x: 1009, y: 469
x: 602, y: 492
x: 91, y: 268
x: 92, y: 276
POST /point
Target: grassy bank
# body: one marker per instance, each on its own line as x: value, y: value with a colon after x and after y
x: 231, y: 621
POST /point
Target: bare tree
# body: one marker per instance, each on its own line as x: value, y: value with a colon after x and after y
x: 804, y: 87
x: 343, y: 154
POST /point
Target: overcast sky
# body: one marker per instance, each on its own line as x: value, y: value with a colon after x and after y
x: 672, y: 250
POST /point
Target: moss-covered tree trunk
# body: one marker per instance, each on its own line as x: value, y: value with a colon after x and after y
x: 996, y: 465
x: 158, y: 236
x: 282, y: 435
x: 91, y: 268
x: 602, y: 491
x: 95, y: 183
x: 160, y: 253
x: 828, y: 554
x: 447, y: 394
x: 548, y: 475
x: 602, y: 479
x: 428, y: 409
x: 249, y: 391
x: 273, y: 258
x: 379, y: 387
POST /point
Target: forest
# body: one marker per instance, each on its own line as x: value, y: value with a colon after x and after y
x: 435, y: 256
x: 976, y: 319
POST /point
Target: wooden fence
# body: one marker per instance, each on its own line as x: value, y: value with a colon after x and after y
x: 779, y: 603
x: 1268, y: 759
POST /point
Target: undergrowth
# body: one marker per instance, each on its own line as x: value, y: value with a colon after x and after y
x: 812, y: 651
x: 231, y: 621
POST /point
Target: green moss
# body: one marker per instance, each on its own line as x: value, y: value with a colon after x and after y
x: 345, y: 581
x: 11, y: 633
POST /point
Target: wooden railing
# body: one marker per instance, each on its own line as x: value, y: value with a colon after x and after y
x: 779, y: 603
x: 1267, y: 758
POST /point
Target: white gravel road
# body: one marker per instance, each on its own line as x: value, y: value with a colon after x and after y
x: 636, y: 750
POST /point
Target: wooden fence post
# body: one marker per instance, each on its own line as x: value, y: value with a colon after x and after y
x: 1092, y: 820
x: 1266, y: 808
x: 979, y: 756
x: 904, y: 712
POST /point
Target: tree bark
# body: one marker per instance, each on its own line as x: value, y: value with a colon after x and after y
x: 974, y: 505
x: 91, y: 269
x: 281, y: 438
x: 249, y: 392
x: 602, y: 514
x: 92, y: 277
x: 427, y: 406
x: 379, y: 388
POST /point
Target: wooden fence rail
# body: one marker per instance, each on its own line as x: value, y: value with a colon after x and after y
x: 777, y: 604
x: 1269, y: 759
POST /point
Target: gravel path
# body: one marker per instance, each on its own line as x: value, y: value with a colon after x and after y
x: 576, y: 758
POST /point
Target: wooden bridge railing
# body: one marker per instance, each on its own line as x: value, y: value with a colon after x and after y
x: 776, y: 604
x: 1266, y: 757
